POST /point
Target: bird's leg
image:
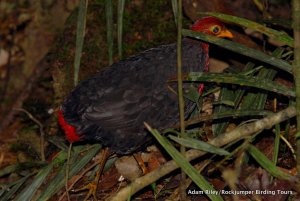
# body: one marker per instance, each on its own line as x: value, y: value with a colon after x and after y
x: 139, y: 160
x: 92, y: 187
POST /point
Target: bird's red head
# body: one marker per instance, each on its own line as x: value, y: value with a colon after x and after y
x: 211, y: 26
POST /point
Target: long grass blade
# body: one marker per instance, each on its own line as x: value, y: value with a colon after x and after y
x: 109, y: 26
x: 80, y: 32
x: 15, y: 188
x: 242, y: 80
x: 39, y: 179
x: 180, y: 92
x: 200, y: 145
x: 58, y: 181
x: 121, y: 5
x: 232, y: 95
x: 267, y: 164
x: 175, y: 10
x: 185, y: 165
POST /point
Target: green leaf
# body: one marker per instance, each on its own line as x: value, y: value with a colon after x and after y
x: 15, y: 188
x: 243, y: 80
x: 58, y: 181
x: 121, y: 4
x: 200, y: 145
x: 175, y: 10
x: 39, y: 179
x: 109, y: 26
x: 276, y: 143
x: 185, y: 165
x: 267, y: 164
x: 80, y: 31
x: 228, y: 94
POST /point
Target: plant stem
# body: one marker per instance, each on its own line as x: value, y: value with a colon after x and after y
x: 180, y: 92
x: 121, y: 4
x: 296, y: 69
x: 109, y: 26
x: 80, y: 32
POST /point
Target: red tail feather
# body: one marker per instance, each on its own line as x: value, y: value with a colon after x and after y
x: 70, y: 131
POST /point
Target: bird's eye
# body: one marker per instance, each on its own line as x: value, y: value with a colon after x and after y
x: 216, y: 29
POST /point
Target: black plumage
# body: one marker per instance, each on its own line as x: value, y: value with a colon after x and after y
x: 111, y: 106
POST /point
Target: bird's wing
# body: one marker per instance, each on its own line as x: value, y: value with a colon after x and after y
x: 130, y: 92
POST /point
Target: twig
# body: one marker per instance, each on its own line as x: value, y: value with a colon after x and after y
x: 38, y: 71
x: 42, y: 137
x: 221, y: 140
x: 180, y: 93
x: 67, y: 171
x: 78, y: 178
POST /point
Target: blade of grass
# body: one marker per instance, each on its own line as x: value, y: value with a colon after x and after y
x: 30, y: 190
x: 175, y: 10
x: 231, y: 95
x: 39, y: 179
x: 243, y: 80
x: 257, y: 100
x: 253, y: 100
x: 185, y: 165
x: 227, y: 114
x: 272, y: 33
x: 58, y: 182
x: 15, y: 188
x: 268, y: 165
x: 276, y: 143
x: 109, y: 26
x: 200, y: 145
x: 241, y: 49
x: 225, y: 95
x: 80, y: 32
x: 121, y: 4
x: 21, y: 166
x: 180, y: 92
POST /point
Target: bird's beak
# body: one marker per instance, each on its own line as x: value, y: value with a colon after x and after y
x: 225, y: 34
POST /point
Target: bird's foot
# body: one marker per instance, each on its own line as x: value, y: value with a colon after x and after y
x: 92, y: 186
x: 92, y: 189
x: 141, y: 163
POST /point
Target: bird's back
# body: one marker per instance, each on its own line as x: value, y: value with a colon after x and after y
x: 112, y: 105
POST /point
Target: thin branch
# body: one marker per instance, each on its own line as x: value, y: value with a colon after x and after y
x: 68, y: 170
x: 77, y: 178
x: 180, y: 92
x: 32, y: 79
x: 234, y: 135
x: 41, y: 127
